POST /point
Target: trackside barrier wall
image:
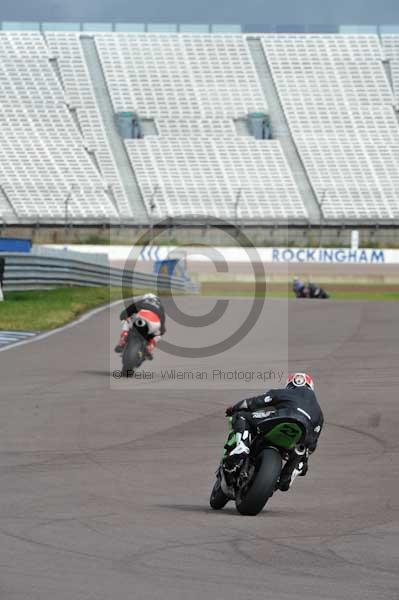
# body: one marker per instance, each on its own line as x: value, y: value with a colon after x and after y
x: 27, y: 271
x: 246, y: 255
x: 15, y: 245
x: 100, y: 258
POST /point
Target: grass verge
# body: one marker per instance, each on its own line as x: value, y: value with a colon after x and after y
x: 275, y: 290
x: 42, y: 310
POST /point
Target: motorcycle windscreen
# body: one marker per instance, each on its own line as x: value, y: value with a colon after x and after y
x: 284, y: 435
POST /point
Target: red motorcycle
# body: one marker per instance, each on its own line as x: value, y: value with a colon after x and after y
x: 141, y: 340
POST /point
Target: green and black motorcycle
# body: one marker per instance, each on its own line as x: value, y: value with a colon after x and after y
x: 256, y: 480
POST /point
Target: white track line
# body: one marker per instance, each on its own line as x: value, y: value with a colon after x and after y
x: 9, y: 337
x: 42, y: 336
x: 16, y: 334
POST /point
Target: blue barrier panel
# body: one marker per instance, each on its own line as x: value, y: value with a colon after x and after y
x: 15, y: 245
x: 165, y: 267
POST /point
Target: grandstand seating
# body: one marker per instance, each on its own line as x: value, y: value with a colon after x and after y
x: 186, y: 177
x: 45, y: 170
x: 180, y: 76
x: 55, y: 155
x: 67, y: 49
x: 194, y: 86
x: 339, y: 106
x: 390, y: 43
x: 208, y: 128
x: 43, y: 163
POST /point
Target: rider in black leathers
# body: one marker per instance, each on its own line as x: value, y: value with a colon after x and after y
x: 297, y: 397
x: 147, y: 302
x: 311, y: 290
x: 298, y: 287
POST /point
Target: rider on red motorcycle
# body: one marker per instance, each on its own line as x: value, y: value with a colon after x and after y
x: 147, y: 304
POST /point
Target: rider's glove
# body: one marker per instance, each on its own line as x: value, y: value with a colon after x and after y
x: 230, y: 411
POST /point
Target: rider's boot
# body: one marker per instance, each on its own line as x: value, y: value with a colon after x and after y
x: 297, y: 464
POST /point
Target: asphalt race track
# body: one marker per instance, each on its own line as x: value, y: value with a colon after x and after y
x: 105, y: 483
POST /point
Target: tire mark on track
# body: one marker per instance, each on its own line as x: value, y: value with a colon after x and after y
x: 371, y: 436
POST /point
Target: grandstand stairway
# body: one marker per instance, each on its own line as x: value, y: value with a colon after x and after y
x: 280, y: 130
x: 7, y: 211
x: 104, y: 102
x: 389, y: 72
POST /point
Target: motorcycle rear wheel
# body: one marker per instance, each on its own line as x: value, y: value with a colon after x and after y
x: 263, y: 484
x: 133, y: 354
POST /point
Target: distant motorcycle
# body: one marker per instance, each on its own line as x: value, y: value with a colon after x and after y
x: 311, y: 290
x: 257, y: 478
x: 144, y: 323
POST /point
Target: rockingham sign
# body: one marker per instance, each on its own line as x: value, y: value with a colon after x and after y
x: 333, y: 255
x: 239, y: 254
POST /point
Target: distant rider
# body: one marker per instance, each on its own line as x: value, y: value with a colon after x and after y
x: 299, y: 288
x: 147, y: 302
x: 311, y: 290
x: 315, y: 291
x: 299, y: 399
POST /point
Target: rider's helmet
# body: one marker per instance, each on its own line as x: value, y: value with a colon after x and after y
x: 298, y: 380
x: 151, y: 299
x: 297, y: 284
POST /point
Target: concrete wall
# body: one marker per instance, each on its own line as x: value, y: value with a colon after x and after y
x: 371, y: 237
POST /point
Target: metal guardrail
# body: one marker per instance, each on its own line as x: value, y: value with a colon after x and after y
x: 29, y: 271
x: 99, y: 258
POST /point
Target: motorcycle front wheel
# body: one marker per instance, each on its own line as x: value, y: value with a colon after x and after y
x: 218, y: 498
